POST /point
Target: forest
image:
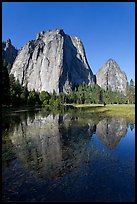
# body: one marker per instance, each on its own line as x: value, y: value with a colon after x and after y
x: 15, y: 95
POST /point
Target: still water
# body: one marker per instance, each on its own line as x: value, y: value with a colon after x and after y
x: 67, y: 157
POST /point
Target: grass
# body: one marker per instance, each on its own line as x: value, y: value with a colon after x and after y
x: 112, y: 110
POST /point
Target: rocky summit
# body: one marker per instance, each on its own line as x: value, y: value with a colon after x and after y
x: 54, y: 61
x: 110, y: 77
x: 9, y: 52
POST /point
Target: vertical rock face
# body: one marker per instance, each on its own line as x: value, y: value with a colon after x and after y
x: 111, y: 77
x: 54, y: 61
x: 9, y: 52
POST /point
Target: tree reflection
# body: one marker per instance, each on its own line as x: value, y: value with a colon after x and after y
x: 52, y: 145
x: 131, y: 126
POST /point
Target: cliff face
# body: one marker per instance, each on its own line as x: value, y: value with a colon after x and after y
x: 9, y: 52
x: 111, y: 77
x: 54, y: 61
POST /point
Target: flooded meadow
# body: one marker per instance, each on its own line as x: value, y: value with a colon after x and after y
x: 67, y: 156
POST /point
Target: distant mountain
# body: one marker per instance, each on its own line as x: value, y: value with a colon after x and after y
x: 9, y: 52
x: 57, y: 61
x: 111, y: 77
x: 54, y: 61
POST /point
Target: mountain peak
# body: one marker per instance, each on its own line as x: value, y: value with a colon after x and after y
x: 8, y: 42
x: 110, y: 60
x: 111, y: 77
x: 49, y: 32
x: 54, y: 61
x: 9, y: 52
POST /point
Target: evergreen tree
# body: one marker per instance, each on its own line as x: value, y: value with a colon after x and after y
x: 131, y: 92
x: 131, y: 83
x: 31, y: 99
x: 44, y: 97
x: 5, y: 85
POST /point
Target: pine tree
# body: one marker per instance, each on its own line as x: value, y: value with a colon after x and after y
x: 5, y: 85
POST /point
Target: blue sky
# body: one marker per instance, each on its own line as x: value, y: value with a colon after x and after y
x: 107, y: 29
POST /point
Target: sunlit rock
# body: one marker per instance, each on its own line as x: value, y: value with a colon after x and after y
x: 54, y: 61
x: 110, y: 77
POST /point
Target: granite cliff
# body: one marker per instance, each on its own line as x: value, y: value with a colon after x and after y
x: 9, y: 52
x: 111, y: 77
x: 54, y: 61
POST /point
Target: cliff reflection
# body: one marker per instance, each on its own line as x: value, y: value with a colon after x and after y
x: 111, y: 130
x: 53, y: 145
x: 38, y: 144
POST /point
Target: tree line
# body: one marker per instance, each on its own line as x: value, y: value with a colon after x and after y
x: 14, y: 94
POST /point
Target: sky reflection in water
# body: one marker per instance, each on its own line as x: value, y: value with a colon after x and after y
x: 64, y: 158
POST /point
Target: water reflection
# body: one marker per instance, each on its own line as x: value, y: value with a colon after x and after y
x: 56, y: 144
x: 131, y: 126
x: 60, y: 157
x: 111, y: 130
x: 38, y: 143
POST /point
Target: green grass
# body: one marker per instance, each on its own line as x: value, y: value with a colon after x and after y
x: 87, y: 105
x: 112, y: 110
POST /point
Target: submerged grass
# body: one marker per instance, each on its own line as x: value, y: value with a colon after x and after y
x: 111, y: 110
